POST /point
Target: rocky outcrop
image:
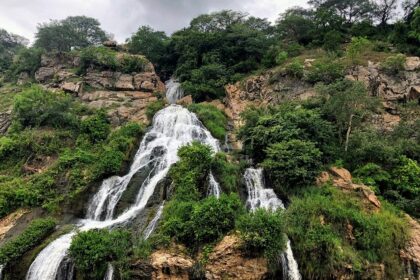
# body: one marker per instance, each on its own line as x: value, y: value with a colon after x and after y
x: 5, y: 121
x: 228, y: 262
x: 8, y: 222
x: 341, y: 178
x: 170, y: 265
x: 411, y: 254
x: 125, y: 96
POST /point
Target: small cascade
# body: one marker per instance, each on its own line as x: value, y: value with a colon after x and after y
x: 1, y: 271
x: 214, y: 187
x: 173, y: 127
x: 153, y: 223
x: 109, y: 275
x: 260, y: 197
x: 174, y: 91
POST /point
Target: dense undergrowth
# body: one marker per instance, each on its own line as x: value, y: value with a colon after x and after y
x: 51, y: 155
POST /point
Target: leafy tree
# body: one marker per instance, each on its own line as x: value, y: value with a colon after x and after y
x: 72, y: 32
x: 406, y: 177
x: 350, y: 10
x: 92, y: 250
x: 292, y: 163
x: 149, y: 42
x: 9, y: 45
x: 296, y: 24
x: 262, y: 231
x: 385, y: 10
x: 348, y: 103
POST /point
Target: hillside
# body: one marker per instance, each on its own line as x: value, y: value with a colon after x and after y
x: 233, y: 149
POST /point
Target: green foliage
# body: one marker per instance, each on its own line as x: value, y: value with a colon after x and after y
x: 284, y: 123
x: 394, y: 64
x: 153, y: 108
x: 142, y: 249
x: 9, y: 45
x: 325, y: 70
x: 373, y: 175
x: 190, y: 172
x: 96, y: 127
x: 106, y: 59
x: 212, y: 118
x: 406, y: 177
x: 318, y: 225
x: 72, y: 32
x: 281, y: 57
x: 37, y: 230
x: 195, y: 223
x: 262, y: 232
x: 39, y: 107
x: 149, y: 43
x: 92, y: 250
x: 295, y: 69
x: 293, y: 163
x: 26, y: 60
x: 332, y: 40
x: 356, y: 48
x: 226, y: 173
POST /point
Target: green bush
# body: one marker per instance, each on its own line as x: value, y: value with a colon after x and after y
x: 406, y: 177
x: 132, y: 64
x: 226, y: 173
x: 357, y: 47
x: 195, y: 223
x: 39, y: 107
x: 153, y: 108
x: 212, y: 118
x: 14, y: 249
x: 281, y: 57
x: 93, y: 250
x: 332, y: 40
x: 325, y: 70
x: 330, y: 228
x: 295, y: 69
x: 26, y: 60
x: 96, y: 127
x: 394, y: 64
x: 293, y: 163
x: 373, y: 175
x: 262, y: 232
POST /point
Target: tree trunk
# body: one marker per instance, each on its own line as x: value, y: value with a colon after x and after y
x: 348, y: 133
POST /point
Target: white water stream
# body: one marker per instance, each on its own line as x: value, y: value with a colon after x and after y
x: 1, y: 271
x: 260, y: 197
x: 174, y: 91
x: 173, y: 127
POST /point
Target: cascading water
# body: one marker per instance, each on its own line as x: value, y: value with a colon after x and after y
x: 214, y: 186
x: 153, y: 223
x: 174, y: 91
x: 109, y: 275
x: 260, y: 197
x: 173, y: 127
x: 1, y: 271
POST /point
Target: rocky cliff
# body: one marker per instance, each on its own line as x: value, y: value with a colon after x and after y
x: 125, y: 96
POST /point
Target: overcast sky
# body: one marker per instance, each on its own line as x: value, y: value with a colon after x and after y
x: 123, y: 17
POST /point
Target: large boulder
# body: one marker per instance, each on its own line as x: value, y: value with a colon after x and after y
x: 171, y: 265
x: 44, y: 74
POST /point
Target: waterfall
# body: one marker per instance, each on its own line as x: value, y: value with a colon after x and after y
x: 260, y: 197
x: 153, y: 223
x: 109, y: 275
x: 173, y: 127
x: 214, y: 186
x: 174, y: 91
x: 1, y: 271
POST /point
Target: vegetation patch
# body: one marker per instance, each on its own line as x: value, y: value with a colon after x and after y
x: 212, y: 118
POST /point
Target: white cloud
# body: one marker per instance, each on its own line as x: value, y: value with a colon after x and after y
x: 123, y: 17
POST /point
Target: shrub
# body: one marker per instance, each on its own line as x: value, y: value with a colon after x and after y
x: 109, y: 163
x: 92, y: 250
x: 212, y: 118
x: 295, y: 69
x: 132, y: 63
x: 373, y: 175
x: 100, y: 57
x: 199, y: 222
x: 26, y: 60
x: 14, y: 249
x: 262, y: 232
x: 225, y: 172
x: 96, y: 127
x: 326, y: 70
x: 332, y: 41
x: 292, y: 163
x: 281, y: 57
x: 320, y: 222
x: 394, y: 64
x: 406, y: 177
x: 38, y: 107
x: 153, y: 108
x: 356, y: 48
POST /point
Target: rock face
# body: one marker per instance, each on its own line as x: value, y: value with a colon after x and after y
x: 411, y: 254
x: 170, y: 266
x: 8, y: 222
x: 227, y: 262
x: 5, y: 121
x: 125, y: 96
